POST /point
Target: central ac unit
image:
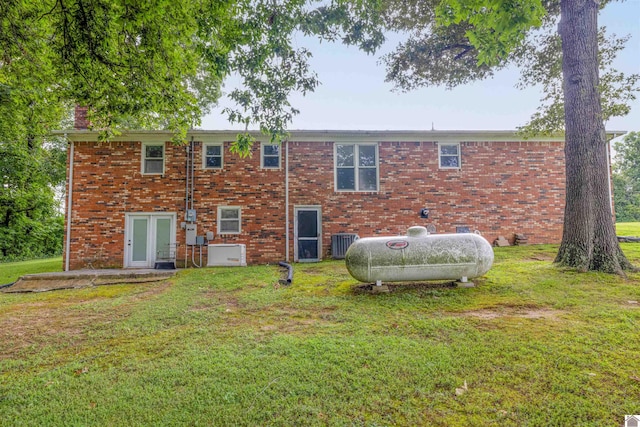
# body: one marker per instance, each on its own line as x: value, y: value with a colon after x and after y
x: 227, y: 255
x: 340, y: 243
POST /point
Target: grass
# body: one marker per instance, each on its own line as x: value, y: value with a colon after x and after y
x: 534, y: 345
x: 11, y: 271
x: 628, y: 229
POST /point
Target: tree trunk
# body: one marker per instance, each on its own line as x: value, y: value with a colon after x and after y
x: 589, y: 239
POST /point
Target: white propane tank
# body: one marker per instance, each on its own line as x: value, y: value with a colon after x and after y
x: 419, y: 256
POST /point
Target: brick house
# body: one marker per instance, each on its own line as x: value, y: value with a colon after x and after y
x: 130, y: 197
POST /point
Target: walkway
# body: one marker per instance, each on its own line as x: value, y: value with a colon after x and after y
x: 85, y: 278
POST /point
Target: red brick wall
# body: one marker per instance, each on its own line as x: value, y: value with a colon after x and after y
x: 80, y: 118
x: 502, y: 188
x: 107, y: 184
x: 260, y: 194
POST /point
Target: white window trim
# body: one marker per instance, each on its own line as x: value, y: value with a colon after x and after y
x: 262, y: 166
x: 356, y: 154
x: 219, y: 220
x: 204, y: 155
x: 143, y: 157
x: 449, y: 144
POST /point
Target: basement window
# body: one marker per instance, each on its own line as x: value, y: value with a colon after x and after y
x: 449, y: 156
x: 270, y: 155
x: 228, y: 220
x: 152, y: 158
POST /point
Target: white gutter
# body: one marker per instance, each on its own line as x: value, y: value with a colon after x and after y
x: 69, y: 207
x: 286, y: 199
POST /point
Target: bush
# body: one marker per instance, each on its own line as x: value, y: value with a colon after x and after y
x: 27, y: 238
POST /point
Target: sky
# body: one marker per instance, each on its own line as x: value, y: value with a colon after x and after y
x: 353, y: 94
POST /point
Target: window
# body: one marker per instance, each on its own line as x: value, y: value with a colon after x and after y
x: 152, y: 158
x: 356, y: 167
x: 270, y: 155
x: 449, y: 155
x: 212, y: 156
x: 228, y: 220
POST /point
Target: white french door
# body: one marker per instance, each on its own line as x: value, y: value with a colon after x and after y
x: 148, y: 237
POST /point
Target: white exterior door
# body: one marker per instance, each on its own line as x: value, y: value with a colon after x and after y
x: 308, y: 232
x: 148, y: 237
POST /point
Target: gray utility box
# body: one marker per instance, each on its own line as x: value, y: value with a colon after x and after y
x: 340, y: 243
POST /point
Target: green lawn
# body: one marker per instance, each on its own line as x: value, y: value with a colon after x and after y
x: 11, y: 271
x: 628, y: 229
x: 534, y: 344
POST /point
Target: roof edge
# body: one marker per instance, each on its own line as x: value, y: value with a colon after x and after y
x: 325, y: 135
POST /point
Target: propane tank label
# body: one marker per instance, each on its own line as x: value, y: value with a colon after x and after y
x: 397, y: 244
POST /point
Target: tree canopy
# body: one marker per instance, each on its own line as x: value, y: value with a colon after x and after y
x: 626, y: 177
x: 147, y: 65
x: 160, y: 64
x: 30, y: 221
x: 458, y: 41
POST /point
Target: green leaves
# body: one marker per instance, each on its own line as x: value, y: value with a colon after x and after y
x: 30, y: 224
x: 496, y: 26
x: 270, y: 69
x: 160, y: 64
x: 456, y: 42
x: 626, y: 178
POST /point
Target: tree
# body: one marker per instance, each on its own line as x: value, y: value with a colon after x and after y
x: 31, y: 224
x: 468, y: 40
x: 626, y: 178
x: 161, y: 64
x: 589, y: 239
x: 32, y: 164
x: 444, y: 55
x: 143, y: 64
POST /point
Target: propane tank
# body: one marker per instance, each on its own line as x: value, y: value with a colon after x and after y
x: 419, y: 256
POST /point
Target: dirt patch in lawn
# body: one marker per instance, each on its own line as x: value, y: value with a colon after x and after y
x: 404, y: 286
x: 36, y: 325
x: 521, y: 312
x: 216, y: 300
x: 156, y: 289
x: 542, y: 257
x: 276, y: 319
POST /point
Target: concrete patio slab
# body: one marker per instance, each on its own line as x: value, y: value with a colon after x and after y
x: 85, y: 278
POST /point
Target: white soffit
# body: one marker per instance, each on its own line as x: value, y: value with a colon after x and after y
x: 328, y: 136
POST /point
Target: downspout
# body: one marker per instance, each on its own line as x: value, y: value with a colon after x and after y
x: 609, y: 174
x: 193, y: 171
x: 193, y: 186
x: 186, y: 189
x: 186, y: 201
x: 286, y: 199
x: 69, y: 206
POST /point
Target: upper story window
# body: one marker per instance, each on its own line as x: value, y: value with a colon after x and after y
x: 229, y: 220
x: 212, y: 156
x: 356, y: 167
x: 152, y: 158
x: 449, y: 156
x: 270, y: 156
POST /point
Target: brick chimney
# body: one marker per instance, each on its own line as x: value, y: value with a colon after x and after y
x: 81, y: 121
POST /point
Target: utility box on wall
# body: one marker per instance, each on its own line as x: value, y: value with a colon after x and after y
x: 190, y: 215
x: 227, y: 255
x: 191, y: 231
